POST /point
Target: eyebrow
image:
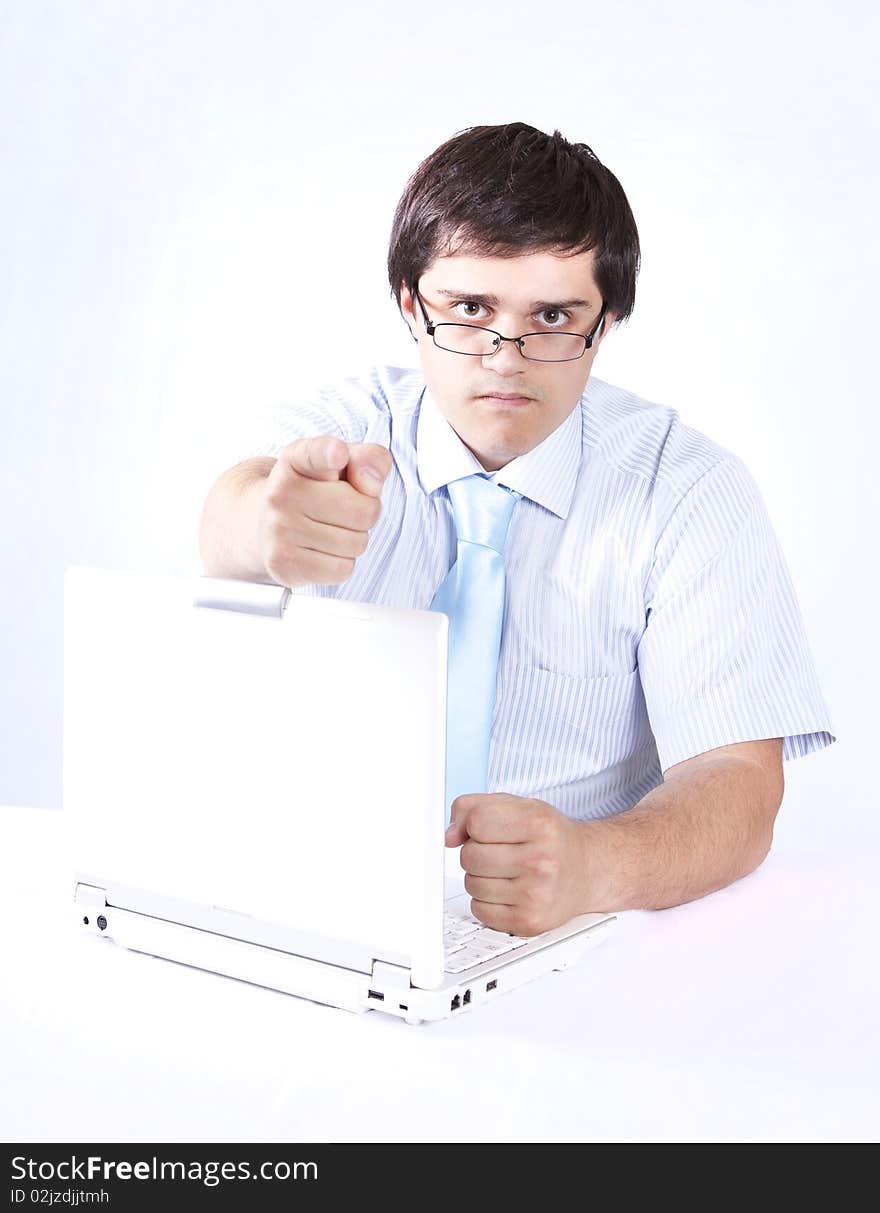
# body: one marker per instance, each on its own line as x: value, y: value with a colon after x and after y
x: 492, y: 300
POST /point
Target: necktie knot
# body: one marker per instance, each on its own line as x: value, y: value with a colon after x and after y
x: 482, y: 510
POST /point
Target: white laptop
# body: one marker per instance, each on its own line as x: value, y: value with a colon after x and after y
x: 255, y: 782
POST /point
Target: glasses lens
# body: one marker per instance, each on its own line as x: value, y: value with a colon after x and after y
x: 465, y: 339
x: 538, y: 347
x: 553, y: 347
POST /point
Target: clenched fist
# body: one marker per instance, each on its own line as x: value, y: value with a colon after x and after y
x: 319, y: 503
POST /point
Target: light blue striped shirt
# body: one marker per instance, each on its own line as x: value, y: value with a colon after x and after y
x: 649, y: 612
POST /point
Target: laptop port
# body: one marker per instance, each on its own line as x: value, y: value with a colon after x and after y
x: 466, y: 999
x: 456, y: 1003
x: 375, y: 994
x: 491, y: 985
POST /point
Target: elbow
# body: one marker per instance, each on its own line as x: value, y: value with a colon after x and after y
x: 762, y: 850
x: 762, y: 836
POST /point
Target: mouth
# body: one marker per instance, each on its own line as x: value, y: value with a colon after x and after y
x: 507, y: 401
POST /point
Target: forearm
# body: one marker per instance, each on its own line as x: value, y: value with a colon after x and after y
x: 696, y: 833
x: 229, y: 529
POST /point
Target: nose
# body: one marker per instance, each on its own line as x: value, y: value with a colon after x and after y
x: 507, y: 360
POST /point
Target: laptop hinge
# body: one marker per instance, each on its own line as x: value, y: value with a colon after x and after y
x: 90, y: 897
x: 248, y: 597
x: 395, y: 976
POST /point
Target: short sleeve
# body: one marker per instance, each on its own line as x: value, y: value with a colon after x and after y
x: 724, y: 657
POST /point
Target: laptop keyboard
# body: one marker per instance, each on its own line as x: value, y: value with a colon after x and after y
x: 467, y: 942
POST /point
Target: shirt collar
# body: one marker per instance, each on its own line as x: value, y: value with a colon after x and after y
x: 547, y: 474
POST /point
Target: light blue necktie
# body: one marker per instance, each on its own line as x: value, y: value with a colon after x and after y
x: 472, y: 595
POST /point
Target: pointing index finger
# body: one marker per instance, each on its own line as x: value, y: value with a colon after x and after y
x: 320, y: 458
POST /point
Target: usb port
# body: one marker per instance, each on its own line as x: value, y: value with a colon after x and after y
x: 456, y: 1003
x: 491, y: 985
x: 375, y: 994
x: 466, y: 999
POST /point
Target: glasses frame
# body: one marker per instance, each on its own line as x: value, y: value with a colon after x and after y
x: 432, y: 328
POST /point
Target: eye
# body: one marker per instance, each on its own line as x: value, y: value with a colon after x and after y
x: 467, y: 303
x: 562, y: 317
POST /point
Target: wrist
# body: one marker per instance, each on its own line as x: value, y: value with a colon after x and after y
x: 603, y: 866
x: 251, y: 513
x: 232, y: 526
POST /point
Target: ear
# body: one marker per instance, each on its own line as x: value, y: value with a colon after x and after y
x: 607, y: 322
x: 407, y: 309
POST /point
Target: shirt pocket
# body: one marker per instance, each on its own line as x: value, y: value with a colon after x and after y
x: 551, y: 729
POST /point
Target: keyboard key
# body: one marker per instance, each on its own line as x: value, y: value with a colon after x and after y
x: 491, y: 947
x: 464, y: 959
x: 461, y: 930
x: 488, y: 935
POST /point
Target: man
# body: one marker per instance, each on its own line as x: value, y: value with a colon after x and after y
x: 652, y: 672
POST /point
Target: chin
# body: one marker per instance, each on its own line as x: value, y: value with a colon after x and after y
x: 493, y: 461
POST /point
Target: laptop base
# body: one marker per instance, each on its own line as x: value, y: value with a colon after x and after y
x: 387, y: 988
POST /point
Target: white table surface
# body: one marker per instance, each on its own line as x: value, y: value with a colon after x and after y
x: 750, y: 1015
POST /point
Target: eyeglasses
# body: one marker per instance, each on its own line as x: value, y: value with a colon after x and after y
x: 479, y: 342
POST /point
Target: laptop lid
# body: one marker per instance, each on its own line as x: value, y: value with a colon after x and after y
x: 235, y: 754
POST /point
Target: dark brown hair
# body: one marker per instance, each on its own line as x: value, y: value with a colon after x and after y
x: 500, y: 191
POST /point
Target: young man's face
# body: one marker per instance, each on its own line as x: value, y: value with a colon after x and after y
x: 496, y: 432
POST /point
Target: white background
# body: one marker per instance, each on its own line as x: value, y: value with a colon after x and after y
x: 195, y: 207
x: 747, y: 1016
